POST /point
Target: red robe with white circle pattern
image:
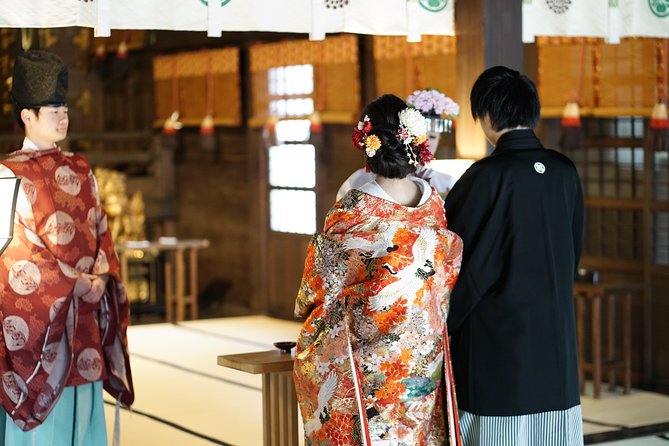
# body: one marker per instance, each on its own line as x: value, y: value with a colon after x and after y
x: 52, y: 338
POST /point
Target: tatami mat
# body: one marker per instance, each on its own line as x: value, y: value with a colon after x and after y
x: 179, y: 384
x: 637, y: 409
x: 591, y: 428
x: 184, y: 398
x: 645, y: 441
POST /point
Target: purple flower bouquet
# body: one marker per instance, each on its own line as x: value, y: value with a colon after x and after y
x: 435, y: 106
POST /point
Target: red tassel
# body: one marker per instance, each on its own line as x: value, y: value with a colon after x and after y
x: 171, y: 128
x: 207, y: 136
x: 657, y: 137
x: 100, y: 52
x: 572, y: 132
x: 269, y: 131
x: 122, y: 51
x: 316, y: 125
x: 207, y: 125
x: 172, y: 124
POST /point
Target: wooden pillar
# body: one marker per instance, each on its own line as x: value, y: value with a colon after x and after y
x: 367, y: 69
x: 256, y: 173
x: 489, y: 33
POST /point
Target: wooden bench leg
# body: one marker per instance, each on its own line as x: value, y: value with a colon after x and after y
x: 169, y: 301
x: 596, y: 346
x: 627, y: 342
x: 580, y: 310
x: 180, y: 276
x: 192, y: 260
x: 611, y: 338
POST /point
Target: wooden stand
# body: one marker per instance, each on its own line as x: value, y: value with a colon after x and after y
x: 278, y: 392
x: 612, y: 295
x: 180, y: 258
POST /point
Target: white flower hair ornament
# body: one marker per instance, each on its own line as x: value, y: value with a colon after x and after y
x: 412, y: 132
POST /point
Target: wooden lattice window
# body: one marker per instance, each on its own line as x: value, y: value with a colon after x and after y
x: 620, y: 186
x: 661, y: 208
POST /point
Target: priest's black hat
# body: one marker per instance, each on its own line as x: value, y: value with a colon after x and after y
x: 40, y: 78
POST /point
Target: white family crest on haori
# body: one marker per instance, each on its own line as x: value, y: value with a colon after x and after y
x: 377, y: 248
x: 412, y: 278
x: 324, y: 396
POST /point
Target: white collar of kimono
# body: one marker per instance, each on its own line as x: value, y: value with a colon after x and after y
x: 373, y: 188
x: 29, y: 145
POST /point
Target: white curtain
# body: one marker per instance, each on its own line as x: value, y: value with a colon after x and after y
x: 611, y: 19
x: 648, y: 18
x: 574, y: 18
x: 316, y: 17
x: 47, y: 13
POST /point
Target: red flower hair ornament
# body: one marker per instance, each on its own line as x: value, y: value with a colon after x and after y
x: 412, y: 132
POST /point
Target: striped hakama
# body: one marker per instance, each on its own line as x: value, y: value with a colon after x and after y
x: 556, y: 428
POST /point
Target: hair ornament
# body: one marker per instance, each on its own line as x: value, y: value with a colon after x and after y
x: 362, y: 140
x: 412, y: 132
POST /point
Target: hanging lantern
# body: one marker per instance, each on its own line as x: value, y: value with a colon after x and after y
x: 572, y: 132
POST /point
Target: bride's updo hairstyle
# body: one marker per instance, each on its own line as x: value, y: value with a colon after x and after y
x: 392, y: 136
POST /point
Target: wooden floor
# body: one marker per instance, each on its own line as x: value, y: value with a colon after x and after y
x: 184, y: 398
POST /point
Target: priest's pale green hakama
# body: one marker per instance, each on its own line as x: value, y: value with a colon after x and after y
x: 78, y: 419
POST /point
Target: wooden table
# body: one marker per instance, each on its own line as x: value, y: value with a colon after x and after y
x: 180, y: 274
x: 612, y: 294
x: 278, y: 392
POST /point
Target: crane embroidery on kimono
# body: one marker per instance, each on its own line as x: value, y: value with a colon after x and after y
x: 321, y: 413
x: 378, y: 248
x: 411, y: 278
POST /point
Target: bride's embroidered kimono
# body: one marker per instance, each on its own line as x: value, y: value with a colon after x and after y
x: 372, y: 365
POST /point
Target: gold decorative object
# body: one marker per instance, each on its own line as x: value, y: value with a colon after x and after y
x: 125, y: 214
x: 47, y: 38
x: 82, y: 39
x: 126, y: 219
x: 7, y: 38
x: 84, y: 102
x: 134, y: 220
